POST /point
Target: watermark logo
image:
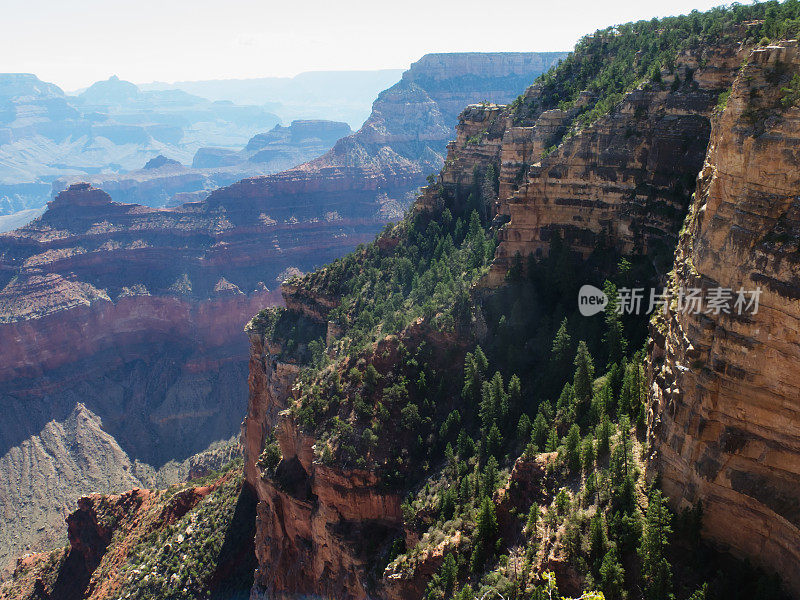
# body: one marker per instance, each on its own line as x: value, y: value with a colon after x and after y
x: 636, y: 301
x: 591, y: 300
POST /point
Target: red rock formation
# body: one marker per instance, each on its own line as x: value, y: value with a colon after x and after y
x: 138, y: 313
x: 724, y: 418
x: 313, y: 520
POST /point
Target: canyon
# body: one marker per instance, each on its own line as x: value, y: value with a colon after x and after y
x: 164, y: 181
x: 137, y: 312
x: 111, y: 127
x: 359, y: 477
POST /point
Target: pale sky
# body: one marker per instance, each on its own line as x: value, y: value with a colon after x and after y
x: 75, y: 42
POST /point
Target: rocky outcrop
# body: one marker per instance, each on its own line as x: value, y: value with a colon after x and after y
x: 205, y: 546
x: 315, y: 522
x: 724, y: 415
x: 67, y: 459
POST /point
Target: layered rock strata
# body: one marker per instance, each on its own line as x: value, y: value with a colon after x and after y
x: 624, y: 180
x: 137, y: 313
x: 724, y: 420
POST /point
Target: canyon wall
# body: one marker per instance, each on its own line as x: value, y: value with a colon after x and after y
x: 724, y: 420
x: 723, y: 415
x: 137, y: 314
x: 624, y: 180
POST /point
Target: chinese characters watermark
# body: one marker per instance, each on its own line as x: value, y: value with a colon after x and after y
x: 634, y: 301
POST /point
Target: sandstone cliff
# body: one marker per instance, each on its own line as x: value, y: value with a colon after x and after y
x: 624, y: 180
x: 316, y: 524
x: 724, y: 416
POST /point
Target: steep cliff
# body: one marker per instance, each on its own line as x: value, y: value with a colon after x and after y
x: 724, y: 416
x: 623, y: 180
x: 137, y: 314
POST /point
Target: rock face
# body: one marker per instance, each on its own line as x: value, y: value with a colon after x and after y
x: 724, y: 418
x: 625, y: 179
x: 724, y: 412
x: 137, y: 314
x: 204, y: 535
x: 385, y: 162
x: 414, y: 119
x: 447, y: 78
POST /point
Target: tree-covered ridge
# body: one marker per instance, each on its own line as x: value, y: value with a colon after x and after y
x: 422, y: 267
x: 615, y: 60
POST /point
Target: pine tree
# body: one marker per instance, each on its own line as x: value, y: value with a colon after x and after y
x: 587, y: 454
x: 612, y: 576
x: 614, y: 337
x: 572, y: 453
x: 597, y: 540
x: 622, y: 457
x: 533, y: 518
x: 584, y: 375
x: 656, y: 570
x: 477, y: 241
x: 523, y: 428
x: 486, y: 529
x: 499, y: 398
x: 481, y: 362
x: 494, y: 441
x: 561, y: 353
x: 631, y: 396
x: 448, y: 574
x: 552, y: 440
x: 489, y: 478
x: 604, y: 436
x: 475, y: 365
x: 562, y: 344
x: 514, y: 397
x: 565, y: 405
x: 539, y: 432
x: 700, y: 593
